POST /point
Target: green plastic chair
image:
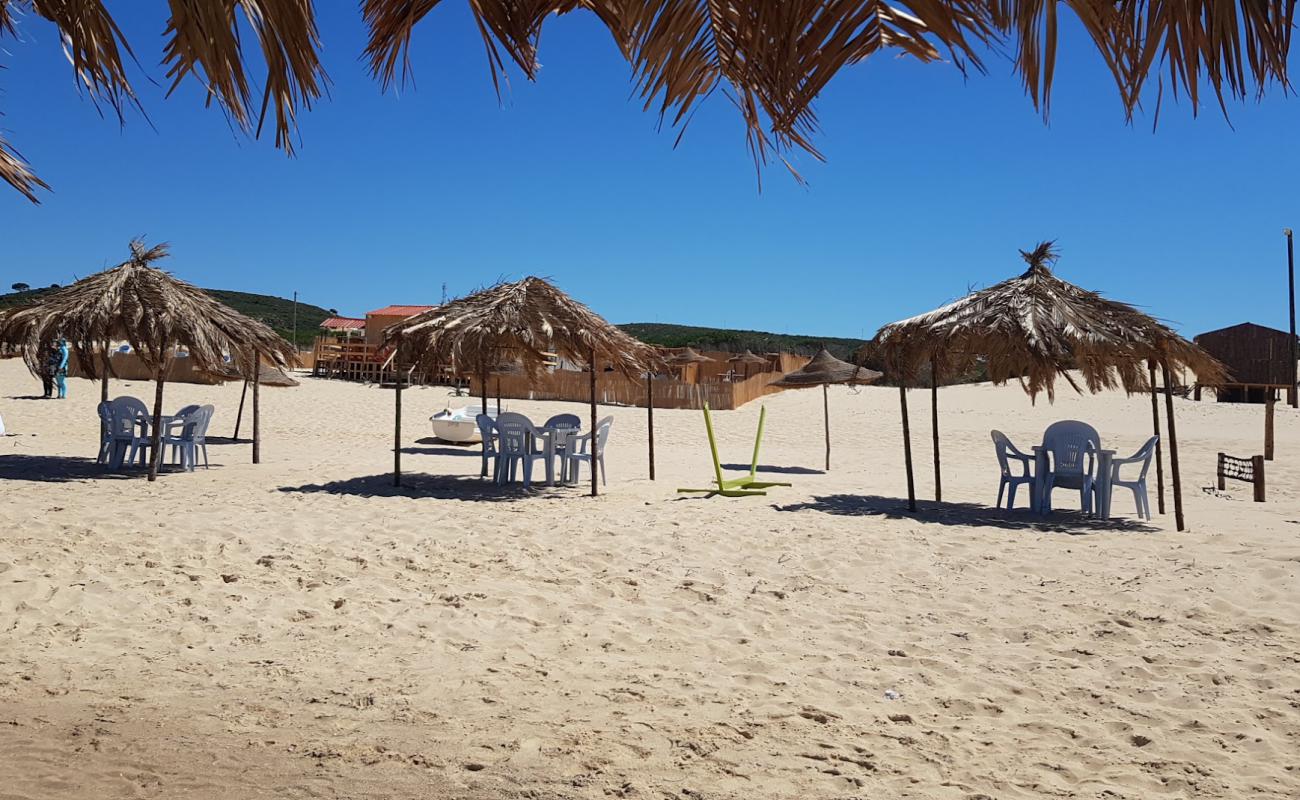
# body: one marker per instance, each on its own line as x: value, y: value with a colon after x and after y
x: 735, y: 487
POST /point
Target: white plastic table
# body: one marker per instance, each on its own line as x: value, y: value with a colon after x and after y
x: 1101, y: 488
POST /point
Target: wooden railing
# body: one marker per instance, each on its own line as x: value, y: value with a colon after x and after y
x: 354, y: 360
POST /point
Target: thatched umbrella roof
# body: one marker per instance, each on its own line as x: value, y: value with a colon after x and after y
x: 823, y: 369
x: 687, y: 356
x: 774, y: 59
x: 746, y: 358
x: 519, y: 322
x: 1037, y: 327
x: 147, y: 307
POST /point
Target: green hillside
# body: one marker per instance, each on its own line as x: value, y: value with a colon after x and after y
x: 274, y: 311
x: 667, y: 335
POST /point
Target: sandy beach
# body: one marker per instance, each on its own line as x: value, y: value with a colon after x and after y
x: 302, y: 629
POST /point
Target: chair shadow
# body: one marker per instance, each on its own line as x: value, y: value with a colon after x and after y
x: 227, y: 440
x: 435, y: 487
x: 59, y: 469
x: 966, y: 515
x: 776, y: 470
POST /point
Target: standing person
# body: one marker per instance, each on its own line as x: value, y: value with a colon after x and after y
x: 49, y: 366
x: 61, y: 373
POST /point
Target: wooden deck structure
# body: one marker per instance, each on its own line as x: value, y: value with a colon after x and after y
x: 1258, y: 362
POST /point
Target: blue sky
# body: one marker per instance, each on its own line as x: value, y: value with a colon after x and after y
x: 933, y: 181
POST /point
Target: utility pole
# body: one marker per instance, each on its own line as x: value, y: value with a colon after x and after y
x: 444, y: 294
x: 1294, y: 391
x: 295, y: 322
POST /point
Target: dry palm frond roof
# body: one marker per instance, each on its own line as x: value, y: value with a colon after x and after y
x: 746, y: 358
x: 771, y: 58
x: 686, y: 356
x: 520, y: 322
x: 1035, y: 327
x: 825, y: 368
x: 147, y: 307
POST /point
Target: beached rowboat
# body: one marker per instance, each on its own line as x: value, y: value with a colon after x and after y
x: 458, y: 425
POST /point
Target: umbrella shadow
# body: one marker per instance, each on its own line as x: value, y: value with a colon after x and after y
x: 435, y: 487
x: 775, y: 469
x: 59, y: 469
x: 966, y: 515
x: 442, y: 451
x: 29, y: 397
x: 227, y: 440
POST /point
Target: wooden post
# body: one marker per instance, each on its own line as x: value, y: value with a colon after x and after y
x: 397, y: 425
x: 257, y: 417
x: 595, y: 443
x: 907, y: 449
x: 1155, y: 423
x: 1257, y: 468
x: 1290, y: 272
x: 240, y: 416
x: 826, y: 415
x: 650, y: 419
x: 103, y: 384
x: 498, y: 394
x: 155, y: 434
x: 1173, y: 447
x: 1268, y: 424
x: 483, y: 380
x: 934, y: 428
x: 1219, y: 473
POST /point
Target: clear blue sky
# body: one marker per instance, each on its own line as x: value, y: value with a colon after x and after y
x: 933, y: 181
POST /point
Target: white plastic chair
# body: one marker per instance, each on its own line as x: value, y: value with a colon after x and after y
x: 579, y: 450
x: 128, y: 431
x: 562, y: 426
x: 1008, y: 452
x: 519, y: 441
x: 105, y: 432
x: 191, y: 438
x: 1072, y: 449
x: 1139, y: 484
x: 487, y: 431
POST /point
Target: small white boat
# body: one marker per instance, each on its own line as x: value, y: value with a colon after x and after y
x: 457, y: 425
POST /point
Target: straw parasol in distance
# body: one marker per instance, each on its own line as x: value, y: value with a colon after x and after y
x: 746, y: 359
x: 1035, y: 328
x: 774, y: 59
x: 155, y: 312
x: 522, y: 322
x: 823, y: 370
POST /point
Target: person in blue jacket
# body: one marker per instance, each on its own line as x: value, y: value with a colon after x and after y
x: 61, y: 371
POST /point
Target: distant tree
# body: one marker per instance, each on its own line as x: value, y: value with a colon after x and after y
x: 20, y: 287
x: 54, y: 286
x: 334, y: 312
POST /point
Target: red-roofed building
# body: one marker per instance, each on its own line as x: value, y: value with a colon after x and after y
x: 381, y: 318
x: 343, y: 324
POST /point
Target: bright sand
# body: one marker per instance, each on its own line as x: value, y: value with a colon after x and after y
x: 300, y: 629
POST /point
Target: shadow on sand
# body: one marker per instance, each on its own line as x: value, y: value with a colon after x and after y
x: 437, y: 487
x: 965, y: 514
x: 775, y: 469
x: 227, y: 440
x: 58, y: 469
x: 442, y: 451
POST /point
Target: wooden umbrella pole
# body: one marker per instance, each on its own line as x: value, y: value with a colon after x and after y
x: 907, y: 449
x: 155, y: 435
x: 239, y: 417
x: 103, y: 385
x: 595, y: 443
x: 934, y: 429
x: 1173, y: 449
x: 650, y: 420
x: 483, y: 381
x: 397, y: 426
x: 498, y: 395
x: 257, y: 416
x: 1160, y: 459
x: 826, y: 417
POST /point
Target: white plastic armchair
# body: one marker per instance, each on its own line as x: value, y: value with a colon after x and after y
x: 1009, y: 480
x: 1072, y: 447
x: 579, y: 451
x: 1137, y: 485
x: 487, y: 431
x: 521, y: 442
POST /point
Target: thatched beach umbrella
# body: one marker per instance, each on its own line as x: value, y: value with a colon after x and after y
x: 1037, y: 327
x: 746, y: 358
x: 155, y: 312
x: 524, y: 322
x: 825, y: 369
